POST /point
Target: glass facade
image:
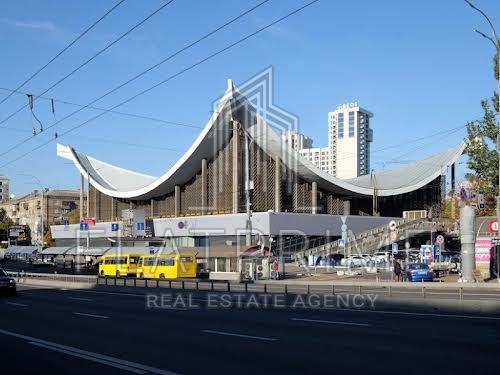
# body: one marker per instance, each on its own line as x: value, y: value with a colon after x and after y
x: 351, y: 124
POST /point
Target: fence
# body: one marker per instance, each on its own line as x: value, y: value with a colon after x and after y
x: 387, y: 289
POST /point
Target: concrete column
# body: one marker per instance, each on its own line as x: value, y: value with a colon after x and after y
x: 152, y: 208
x: 95, y: 204
x: 468, y: 240
x: 236, y: 171
x: 314, y: 197
x: 204, y: 187
x: 113, y: 213
x: 88, y: 195
x: 82, y: 187
x: 277, y: 185
x: 347, y: 207
x: 177, y: 200
x: 453, y: 209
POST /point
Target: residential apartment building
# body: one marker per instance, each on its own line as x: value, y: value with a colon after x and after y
x: 296, y: 140
x: 4, y: 188
x: 55, y: 206
x: 349, y: 137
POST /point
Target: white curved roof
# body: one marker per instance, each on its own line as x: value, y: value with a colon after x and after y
x: 122, y: 183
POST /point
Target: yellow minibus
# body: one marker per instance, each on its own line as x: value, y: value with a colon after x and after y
x: 118, y: 265
x: 169, y: 266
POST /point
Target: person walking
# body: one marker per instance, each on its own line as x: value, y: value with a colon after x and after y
x: 397, y: 270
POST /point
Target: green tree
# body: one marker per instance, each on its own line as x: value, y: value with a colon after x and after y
x: 482, y: 149
x: 4, y: 220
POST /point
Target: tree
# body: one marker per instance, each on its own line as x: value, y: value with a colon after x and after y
x: 5, y: 221
x: 482, y: 150
x: 74, y: 217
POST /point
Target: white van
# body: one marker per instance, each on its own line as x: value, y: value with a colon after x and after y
x: 2, y: 255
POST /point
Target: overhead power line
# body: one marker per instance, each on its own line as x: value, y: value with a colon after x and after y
x: 209, y: 57
x: 93, y: 57
x: 64, y: 50
x: 183, y: 49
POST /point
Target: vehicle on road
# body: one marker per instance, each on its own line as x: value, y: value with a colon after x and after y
x: 170, y: 266
x: 455, y: 264
x: 353, y: 261
x: 418, y: 272
x: 7, y: 284
x: 2, y: 254
x: 119, y: 265
x: 381, y: 256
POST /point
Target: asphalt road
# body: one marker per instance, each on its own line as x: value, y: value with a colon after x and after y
x: 102, y: 331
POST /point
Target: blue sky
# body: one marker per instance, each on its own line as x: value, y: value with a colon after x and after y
x: 417, y: 65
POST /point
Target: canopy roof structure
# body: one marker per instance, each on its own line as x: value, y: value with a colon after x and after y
x: 122, y: 183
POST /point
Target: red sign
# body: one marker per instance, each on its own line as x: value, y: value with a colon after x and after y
x: 88, y: 220
x: 275, y: 265
x: 493, y: 226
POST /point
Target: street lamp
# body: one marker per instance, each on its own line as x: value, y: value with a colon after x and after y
x: 494, y: 40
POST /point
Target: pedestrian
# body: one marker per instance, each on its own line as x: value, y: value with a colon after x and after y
x: 397, y: 270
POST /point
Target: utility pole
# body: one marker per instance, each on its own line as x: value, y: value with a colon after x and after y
x: 248, y: 204
x: 493, y: 39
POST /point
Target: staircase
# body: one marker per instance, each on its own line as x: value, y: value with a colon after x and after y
x: 377, y: 238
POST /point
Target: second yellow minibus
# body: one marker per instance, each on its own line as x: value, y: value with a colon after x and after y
x: 169, y: 266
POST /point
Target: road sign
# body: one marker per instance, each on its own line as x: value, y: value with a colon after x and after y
x: 393, y: 235
x: 437, y: 252
x: 392, y: 225
x: 114, y: 227
x: 440, y: 240
x: 395, y: 248
x: 84, y: 226
x: 493, y: 226
x: 495, y: 241
x: 88, y: 220
x: 341, y: 243
x: 480, y: 199
x: 140, y: 226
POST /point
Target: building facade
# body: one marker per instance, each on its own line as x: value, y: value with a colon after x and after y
x: 296, y: 140
x: 4, y: 189
x: 349, y: 139
x: 54, y: 206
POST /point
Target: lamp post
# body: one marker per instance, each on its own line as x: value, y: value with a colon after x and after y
x: 493, y: 39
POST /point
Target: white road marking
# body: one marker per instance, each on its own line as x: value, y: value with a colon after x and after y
x: 332, y: 322
x: 80, y: 299
x: 102, y: 361
x: 94, y: 356
x: 423, y: 314
x: 92, y: 315
x: 16, y: 304
x: 239, y: 335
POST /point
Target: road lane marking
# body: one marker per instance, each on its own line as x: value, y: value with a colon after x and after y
x: 89, y: 358
x: 92, y: 315
x: 103, y: 357
x: 80, y: 299
x: 239, y: 335
x: 423, y: 314
x: 331, y: 322
x: 16, y: 304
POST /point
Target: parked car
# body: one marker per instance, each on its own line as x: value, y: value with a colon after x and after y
x: 7, y: 284
x: 353, y: 261
x: 455, y: 264
x: 418, y: 272
x: 381, y: 256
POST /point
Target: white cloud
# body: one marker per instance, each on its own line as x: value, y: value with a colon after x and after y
x: 38, y: 25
